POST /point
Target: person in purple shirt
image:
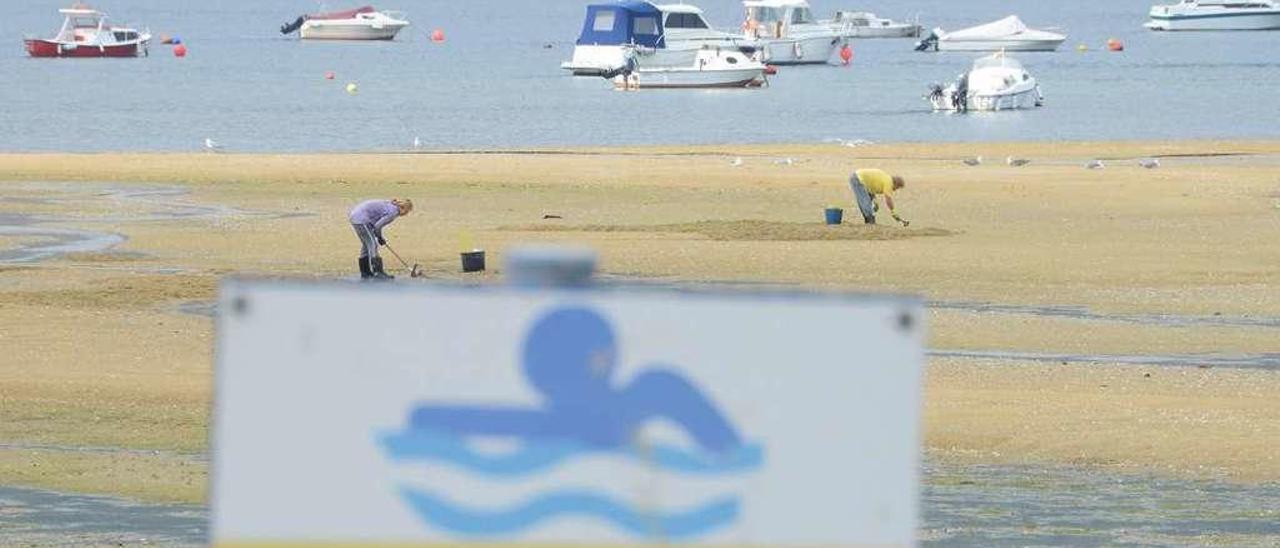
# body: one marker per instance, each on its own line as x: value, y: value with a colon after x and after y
x: 368, y: 218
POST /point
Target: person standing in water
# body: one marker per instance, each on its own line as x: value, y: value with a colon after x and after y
x: 368, y: 219
x: 866, y: 184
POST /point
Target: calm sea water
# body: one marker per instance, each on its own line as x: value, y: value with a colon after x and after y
x: 495, y: 83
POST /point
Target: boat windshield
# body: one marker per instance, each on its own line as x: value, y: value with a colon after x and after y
x: 685, y: 21
x: 644, y: 24
x: 763, y: 14
x: 85, y: 22
x: 801, y: 16
x: 603, y: 21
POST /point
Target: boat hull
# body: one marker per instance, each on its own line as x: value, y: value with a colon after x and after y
x: 693, y: 78
x: 594, y: 60
x: 50, y: 48
x: 1028, y: 98
x: 999, y: 45
x: 895, y: 31
x: 801, y: 51
x: 336, y: 30
x: 1252, y: 20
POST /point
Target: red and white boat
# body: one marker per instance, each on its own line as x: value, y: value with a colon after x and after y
x: 85, y: 33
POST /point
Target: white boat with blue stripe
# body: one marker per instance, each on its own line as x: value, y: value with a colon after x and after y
x: 1216, y: 15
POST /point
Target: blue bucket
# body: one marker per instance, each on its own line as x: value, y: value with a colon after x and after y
x: 834, y: 215
x: 473, y: 261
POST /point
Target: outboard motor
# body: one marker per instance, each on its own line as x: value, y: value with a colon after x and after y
x: 623, y: 70
x: 935, y: 92
x: 962, y: 93
x: 929, y: 42
x: 290, y: 27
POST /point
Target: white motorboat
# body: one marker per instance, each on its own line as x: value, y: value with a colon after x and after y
x: 650, y: 36
x: 994, y: 82
x: 788, y: 32
x: 1008, y: 34
x: 861, y: 24
x: 365, y: 23
x: 711, y: 68
x: 1216, y: 15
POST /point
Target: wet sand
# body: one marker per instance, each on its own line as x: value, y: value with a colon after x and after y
x: 1177, y: 261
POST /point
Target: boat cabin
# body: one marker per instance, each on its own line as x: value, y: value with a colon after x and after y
x: 630, y: 22
x: 678, y: 17
x: 81, y: 24
x: 861, y: 19
x: 773, y: 18
x: 1009, y: 72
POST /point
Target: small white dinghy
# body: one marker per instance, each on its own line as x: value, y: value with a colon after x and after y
x: 995, y: 82
x: 1008, y: 34
x: 711, y: 68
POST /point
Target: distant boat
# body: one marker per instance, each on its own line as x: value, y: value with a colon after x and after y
x: 861, y: 24
x: 994, y: 82
x: 789, y: 32
x: 364, y: 23
x: 85, y: 33
x: 1216, y: 15
x: 1008, y: 34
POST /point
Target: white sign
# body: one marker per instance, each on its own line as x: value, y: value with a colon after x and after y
x: 352, y: 412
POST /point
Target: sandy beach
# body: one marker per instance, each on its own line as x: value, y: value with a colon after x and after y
x: 1113, y: 317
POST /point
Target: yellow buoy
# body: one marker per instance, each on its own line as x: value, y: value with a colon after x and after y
x: 1082, y: 47
x: 352, y: 88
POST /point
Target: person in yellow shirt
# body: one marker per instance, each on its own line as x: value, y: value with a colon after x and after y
x: 866, y: 184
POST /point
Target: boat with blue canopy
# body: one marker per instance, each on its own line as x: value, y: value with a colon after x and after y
x: 648, y: 35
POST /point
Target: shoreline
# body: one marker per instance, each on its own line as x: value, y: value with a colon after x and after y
x: 1061, y: 261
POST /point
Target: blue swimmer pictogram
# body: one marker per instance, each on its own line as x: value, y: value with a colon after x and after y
x: 569, y: 357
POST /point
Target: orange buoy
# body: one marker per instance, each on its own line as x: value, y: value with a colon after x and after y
x: 329, y: 75
x: 1114, y: 44
x: 180, y: 50
x: 846, y: 54
x: 437, y: 36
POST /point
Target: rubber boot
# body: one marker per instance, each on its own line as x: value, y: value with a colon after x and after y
x: 365, y: 271
x: 378, y: 272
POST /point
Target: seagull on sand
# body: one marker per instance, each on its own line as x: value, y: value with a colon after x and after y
x: 1016, y: 162
x: 212, y: 146
x: 737, y: 161
x: 1094, y: 164
x: 976, y: 161
x: 1149, y: 163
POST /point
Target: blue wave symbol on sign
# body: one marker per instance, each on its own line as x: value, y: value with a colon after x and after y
x: 534, y: 458
x: 669, y: 526
x: 569, y: 359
